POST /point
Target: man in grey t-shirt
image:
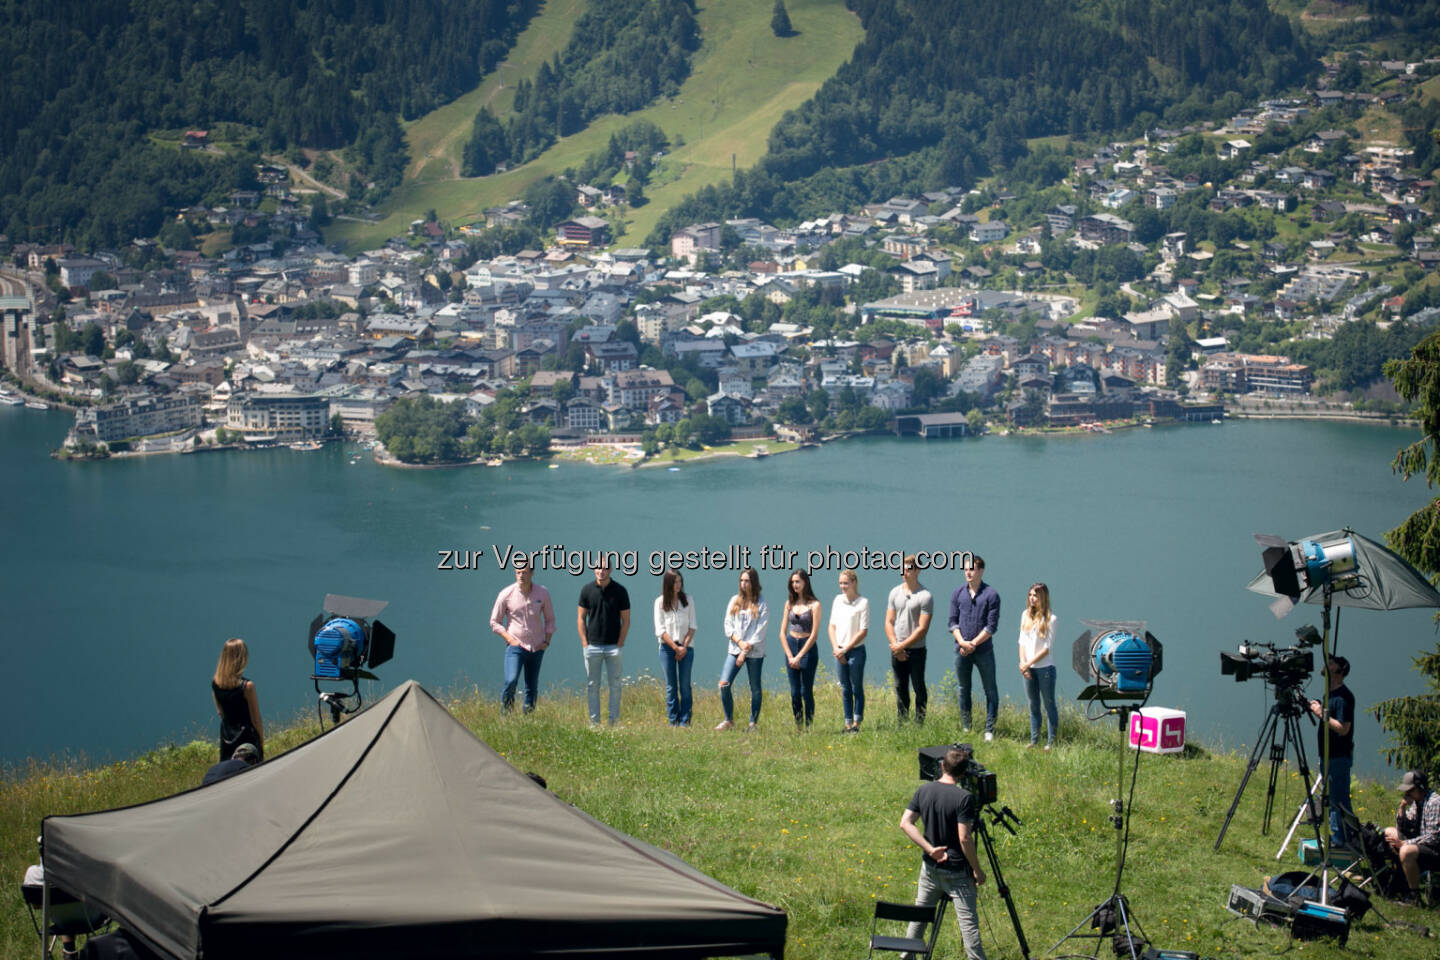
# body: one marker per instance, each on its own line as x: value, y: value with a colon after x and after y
x: 907, y: 620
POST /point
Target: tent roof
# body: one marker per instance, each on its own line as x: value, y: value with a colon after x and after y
x: 394, y: 828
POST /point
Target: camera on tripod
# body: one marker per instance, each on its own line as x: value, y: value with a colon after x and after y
x: 1286, y: 667
x: 981, y: 783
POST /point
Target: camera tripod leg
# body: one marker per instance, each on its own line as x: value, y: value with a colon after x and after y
x: 1001, y: 887
x: 1266, y: 735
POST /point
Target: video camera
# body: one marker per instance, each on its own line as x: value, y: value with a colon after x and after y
x: 981, y: 783
x: 1286, y: 667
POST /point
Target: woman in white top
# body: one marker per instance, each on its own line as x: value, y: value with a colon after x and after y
x: 849, y: 623
x: 675, y: 628
x: 746, y: 618
x: 1037, y: 666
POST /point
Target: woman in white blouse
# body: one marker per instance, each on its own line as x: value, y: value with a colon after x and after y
x: 1037, y: 666
x: 746, y: 618
x: 674, y: 629
x: 849, y: 623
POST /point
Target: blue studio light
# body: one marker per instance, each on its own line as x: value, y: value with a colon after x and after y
x: 1123, y: 660
x: 339, y: 647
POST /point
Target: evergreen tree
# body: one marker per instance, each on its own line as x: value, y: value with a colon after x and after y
x: 1414, y: 722
x: 780, y: 20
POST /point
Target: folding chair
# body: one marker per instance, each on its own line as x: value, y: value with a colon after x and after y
x: 921, y: 946
x: 68, y: 916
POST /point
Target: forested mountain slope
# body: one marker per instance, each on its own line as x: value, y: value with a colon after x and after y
x: 952, y: 88
x: 87, y: 85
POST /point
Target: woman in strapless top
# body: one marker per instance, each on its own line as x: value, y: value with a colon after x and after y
x: 798, y: 633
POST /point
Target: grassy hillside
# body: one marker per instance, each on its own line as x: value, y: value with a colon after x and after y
x: 744, y: 80
x: 436, y: 139
x: 809, y: 821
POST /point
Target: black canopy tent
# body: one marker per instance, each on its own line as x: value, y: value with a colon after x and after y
x: 398, y: 833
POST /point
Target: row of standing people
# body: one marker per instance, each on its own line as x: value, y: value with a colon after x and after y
x: 523, y: 616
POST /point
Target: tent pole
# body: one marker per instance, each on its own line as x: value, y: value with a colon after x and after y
x: 44, y: 907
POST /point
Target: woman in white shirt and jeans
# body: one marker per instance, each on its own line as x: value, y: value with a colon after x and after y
x: 674, y: 629
x: 746, y: 618
x: 1037, y: 666
x: 849, y: 623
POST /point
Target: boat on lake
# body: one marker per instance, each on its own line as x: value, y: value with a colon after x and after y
x: 305, y: 445
x: 37, y: 405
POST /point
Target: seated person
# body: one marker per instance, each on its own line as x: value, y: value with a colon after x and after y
x: 244, y: 757
x: 1415, y: 838
x: 68, y: 916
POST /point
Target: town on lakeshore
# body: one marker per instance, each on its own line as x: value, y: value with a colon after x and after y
x: 943, y: 314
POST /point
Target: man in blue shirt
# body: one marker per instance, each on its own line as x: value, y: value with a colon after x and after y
x: 974, y: 618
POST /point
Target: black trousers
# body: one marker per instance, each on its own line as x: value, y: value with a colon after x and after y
x: 910, y: 672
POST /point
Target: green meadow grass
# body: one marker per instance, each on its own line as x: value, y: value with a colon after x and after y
x: 810, y: 821
x: 744, y: 79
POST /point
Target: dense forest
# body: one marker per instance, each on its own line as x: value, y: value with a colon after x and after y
x: 942, y: 92
x: 86, y: 86
x: 622, y: 55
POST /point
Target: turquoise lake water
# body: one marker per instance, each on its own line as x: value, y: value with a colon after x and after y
x: 122, y: 579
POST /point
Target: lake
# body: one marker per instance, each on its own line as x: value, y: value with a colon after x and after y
x: 123, y: 578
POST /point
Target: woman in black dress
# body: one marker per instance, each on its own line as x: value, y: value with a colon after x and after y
x: 235, y: 701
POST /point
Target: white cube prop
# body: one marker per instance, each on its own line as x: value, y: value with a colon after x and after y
x: 1158, y: 730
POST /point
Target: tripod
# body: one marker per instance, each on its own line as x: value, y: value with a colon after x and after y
x: 999, y: 817
x: 1281, y: 730
x: 1114, y: 916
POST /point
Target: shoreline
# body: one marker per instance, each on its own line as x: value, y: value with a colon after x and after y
x: 628, y: 455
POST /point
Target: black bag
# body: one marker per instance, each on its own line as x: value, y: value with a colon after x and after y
x: 1384, y: 864
x: 1293, y: 887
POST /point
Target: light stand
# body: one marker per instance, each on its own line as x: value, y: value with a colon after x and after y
x: 1329, y: 647
x: 1114, y: 914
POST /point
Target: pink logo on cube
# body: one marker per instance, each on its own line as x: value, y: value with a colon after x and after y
x: 1158, y: 730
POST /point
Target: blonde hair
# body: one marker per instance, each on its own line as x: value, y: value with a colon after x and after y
x: 854, y: 577
x: 233, y: 657
x: 742, y: 602
x: 1041, y: 622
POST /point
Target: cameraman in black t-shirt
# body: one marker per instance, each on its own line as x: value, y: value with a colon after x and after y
x: 1341, y: 733
x: 949, y: 865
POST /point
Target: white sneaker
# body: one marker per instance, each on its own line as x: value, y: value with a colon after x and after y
x: 989, y: 736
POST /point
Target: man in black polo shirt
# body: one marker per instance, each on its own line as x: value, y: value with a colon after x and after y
x: 940, y: 820
x: 603, y: 620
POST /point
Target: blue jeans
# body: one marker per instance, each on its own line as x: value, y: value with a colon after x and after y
x: 1337, y: 781
x: 516, y: 660
x: 959, y: 886
x: 852, y: 684
x: 677, y: 684
x: 1040, y: 685
x: 983, y: 658
x: 757, y: 693
x: 606, y: 657
x: 802, y: 686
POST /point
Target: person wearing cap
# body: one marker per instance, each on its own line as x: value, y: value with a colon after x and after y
x: 1415, y: 838
x: 524, y: 617
x: 244, y: 757
x: 1339, y: 729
